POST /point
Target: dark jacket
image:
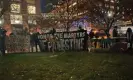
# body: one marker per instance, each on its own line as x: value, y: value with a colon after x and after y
x: 115, y: 33
x: 91, y: 35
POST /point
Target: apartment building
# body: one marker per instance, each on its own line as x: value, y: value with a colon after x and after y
x: 21, y: 13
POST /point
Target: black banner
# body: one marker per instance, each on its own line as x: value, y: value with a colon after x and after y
x: 64, y: 41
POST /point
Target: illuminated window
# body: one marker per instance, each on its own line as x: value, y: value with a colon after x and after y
x: 31, y: 9
x: 15, y: 8
x: 112, y: 1
x: 16, y: 19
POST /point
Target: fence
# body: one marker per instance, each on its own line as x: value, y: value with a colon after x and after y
x: 17, y: 44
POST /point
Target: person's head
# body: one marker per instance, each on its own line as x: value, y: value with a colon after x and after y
x: 80, y: 27
x: 129, y: 30
x: 115, y: 27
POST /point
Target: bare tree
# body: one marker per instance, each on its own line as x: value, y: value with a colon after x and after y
x: 46, y: 22
x: 105, y: 12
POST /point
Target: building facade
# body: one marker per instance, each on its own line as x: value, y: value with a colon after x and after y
x: 21, y: 13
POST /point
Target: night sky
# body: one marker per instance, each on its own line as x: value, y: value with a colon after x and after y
x: 46, y: 5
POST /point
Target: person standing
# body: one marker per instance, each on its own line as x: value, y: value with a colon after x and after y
x: 53, y: 39
x: 32, y: 41
x: 85, y: 41
x: 2, y: 41
x: 89, y: 44
x: 115, y: 34
x: 129, y: 37
x: 91, y: 35
x: 37, y: 43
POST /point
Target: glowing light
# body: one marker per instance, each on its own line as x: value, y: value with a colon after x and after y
x: 17, y: 21
x: 110, y: 14
x: 105, y: 37
x: 0, y: 22
x: 31, y: 33
x: 95, y: 31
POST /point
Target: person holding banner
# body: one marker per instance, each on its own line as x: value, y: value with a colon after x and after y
x: 52, y: 43
x: 49, y: 44
x: 53, y: 40
x: 89, y: 44
x: 2, y: 41
x: 85, y: 41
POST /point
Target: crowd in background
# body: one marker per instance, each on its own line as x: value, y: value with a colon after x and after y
x: 94, y: 34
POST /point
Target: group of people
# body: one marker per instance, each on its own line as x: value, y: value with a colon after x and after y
x: 50, y: 41
x: 98, y: 39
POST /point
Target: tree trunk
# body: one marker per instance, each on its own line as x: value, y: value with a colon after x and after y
x: 107, y: 32
x: 67, y: 27
x: 109, y: 25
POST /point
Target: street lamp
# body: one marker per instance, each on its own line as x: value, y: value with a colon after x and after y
x: 110, y: 14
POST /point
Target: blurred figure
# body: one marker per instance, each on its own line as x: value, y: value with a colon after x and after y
x: 80, y: 29
x: 53, y: 31
x: 2, y: 40
x: 85, y: 41
x: 129, y: 34
x: 32, y: 41
x: 129, y: 37
x: 52, y: 43
x: 91, y: 35
x: 89, y: 44
x: 115, y: 32
x: 36, y: 40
